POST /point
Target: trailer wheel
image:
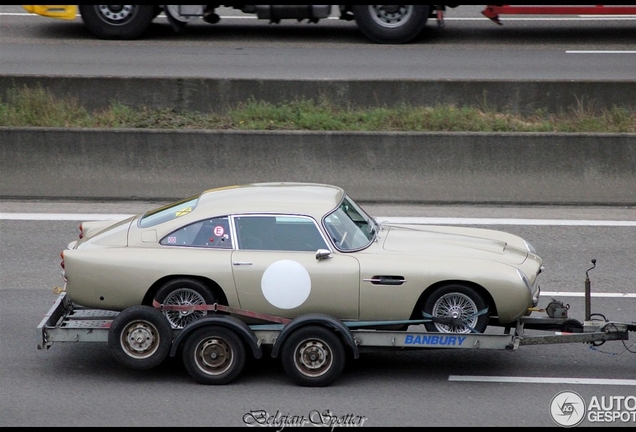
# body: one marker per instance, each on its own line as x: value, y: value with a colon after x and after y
x: 313, y: 356
x: 214, y: 355
x: 391, y: 24
x: 140, y: 337
x: 184, y: 292
x: 123, y: 22
x: 456, y: 301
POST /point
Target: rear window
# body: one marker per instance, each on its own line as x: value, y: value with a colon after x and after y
x: 168, y: 212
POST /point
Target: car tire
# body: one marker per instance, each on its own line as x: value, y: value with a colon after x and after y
x: 391, y: 24
x: 184, y: 292
x: 140, y: 337
x: 313, y: 356
x: 214, y: 355
x: 124, y: 22
x: 456, y: 301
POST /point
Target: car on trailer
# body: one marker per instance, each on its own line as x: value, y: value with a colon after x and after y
x: 289, y: 249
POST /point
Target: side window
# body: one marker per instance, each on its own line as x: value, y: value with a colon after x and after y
x: 285, y: 233
x: 208, y: 233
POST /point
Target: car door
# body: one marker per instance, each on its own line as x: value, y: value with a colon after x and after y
x: 276, y: 270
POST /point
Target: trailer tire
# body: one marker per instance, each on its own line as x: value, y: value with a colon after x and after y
x: 313, y: 356
x: 140, y: 337
x: 456, y: 301
x: 391, y: 24
x: 214, y: 355
x: 123, y: 22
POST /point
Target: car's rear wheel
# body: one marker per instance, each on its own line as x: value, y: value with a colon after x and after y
x: 462, y: 307
x: 313, y: 356
x: 214, y: 355
x: 184, y: 292
x: 140, y: 337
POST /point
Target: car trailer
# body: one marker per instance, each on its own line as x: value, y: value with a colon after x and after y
x: 313, y: 348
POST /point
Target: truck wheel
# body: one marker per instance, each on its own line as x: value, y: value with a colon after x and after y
x: 184, y: 292
x: 391, y: 24
x: 456, y: 301
x: 140, y: 337
x: 214, y: 355
x: 313, y: 356
x: 117, y: 21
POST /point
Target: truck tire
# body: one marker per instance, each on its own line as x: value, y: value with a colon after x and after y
x: 140, y: 337
x: 214, y: 355
x: 456, y: 301
x: 391, y: 24
x: 184, y: 292
x: 123, y: 22
x: 313, y: 356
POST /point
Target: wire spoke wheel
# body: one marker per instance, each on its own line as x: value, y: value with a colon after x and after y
x: 461, y: 304
x: 456, y: 306
x: 183, y: 297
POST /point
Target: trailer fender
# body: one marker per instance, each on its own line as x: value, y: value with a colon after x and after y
x: 230, y: 322
x: 321, y: 319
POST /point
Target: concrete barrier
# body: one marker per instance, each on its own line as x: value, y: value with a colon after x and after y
x: 504, y: 168
x: 217, y: 95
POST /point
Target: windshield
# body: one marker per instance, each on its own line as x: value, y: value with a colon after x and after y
x: 350, y: 227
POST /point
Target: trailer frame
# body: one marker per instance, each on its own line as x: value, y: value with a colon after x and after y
x: 68, y: 323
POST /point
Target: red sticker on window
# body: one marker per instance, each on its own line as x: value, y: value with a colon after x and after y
x: 218, y: 230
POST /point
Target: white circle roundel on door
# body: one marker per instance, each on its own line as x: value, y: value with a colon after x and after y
x: 286, y: 284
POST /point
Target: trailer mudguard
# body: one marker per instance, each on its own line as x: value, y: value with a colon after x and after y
x: 230, y: 322
x: 321, y: 319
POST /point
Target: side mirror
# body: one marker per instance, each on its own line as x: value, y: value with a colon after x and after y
x: 322, y: 254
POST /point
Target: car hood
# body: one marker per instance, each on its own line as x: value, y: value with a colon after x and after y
x: 454, y: 242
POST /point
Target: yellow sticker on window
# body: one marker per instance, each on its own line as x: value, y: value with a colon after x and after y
x: 183, y: 211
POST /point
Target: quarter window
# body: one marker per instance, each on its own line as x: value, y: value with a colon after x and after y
x: 208, y: 233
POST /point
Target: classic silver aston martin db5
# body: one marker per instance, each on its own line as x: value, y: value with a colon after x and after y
x: 289, y: 249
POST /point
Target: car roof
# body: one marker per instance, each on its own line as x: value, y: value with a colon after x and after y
x: 312, y: 199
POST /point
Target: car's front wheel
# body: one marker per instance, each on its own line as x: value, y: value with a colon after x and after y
x: 457, y: 309
x: 184, y: 292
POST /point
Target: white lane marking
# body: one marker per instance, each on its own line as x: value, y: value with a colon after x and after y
x: 542, y: 380
x: 503, y: 221
x: 600, y: 52
x: 405, y: 220
x: 545, y: 294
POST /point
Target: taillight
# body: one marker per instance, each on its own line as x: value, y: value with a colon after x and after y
x: 81, y: 231
x: 62, y: 256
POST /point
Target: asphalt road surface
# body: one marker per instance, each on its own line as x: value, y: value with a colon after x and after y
x: 82, y: 384
x: 469, y: 46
